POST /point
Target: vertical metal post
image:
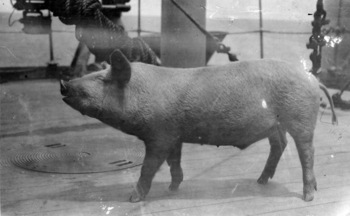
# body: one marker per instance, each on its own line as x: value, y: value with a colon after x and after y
x: 51, y: 42
x: 51, y: 70
x: 261, y: 30
x: 139, y: 19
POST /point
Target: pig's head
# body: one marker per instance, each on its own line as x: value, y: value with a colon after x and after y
x: 92, y: 93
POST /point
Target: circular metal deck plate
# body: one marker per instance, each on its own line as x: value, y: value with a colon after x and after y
x: 64, y: 158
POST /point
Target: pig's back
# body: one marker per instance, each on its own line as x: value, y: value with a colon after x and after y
x: 244, y: 84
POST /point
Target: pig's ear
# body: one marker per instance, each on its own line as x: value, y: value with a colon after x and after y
x: 121, y: 69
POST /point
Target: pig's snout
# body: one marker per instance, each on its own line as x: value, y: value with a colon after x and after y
x: 64, y: 89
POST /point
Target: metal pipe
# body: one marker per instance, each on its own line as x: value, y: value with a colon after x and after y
x: 139, y: 19
x: 51, y: 41
x: 261, y: 30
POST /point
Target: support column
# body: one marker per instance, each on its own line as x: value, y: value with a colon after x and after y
x: 182, y: 44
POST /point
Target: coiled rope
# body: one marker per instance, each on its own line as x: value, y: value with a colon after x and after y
x: 100, y: 34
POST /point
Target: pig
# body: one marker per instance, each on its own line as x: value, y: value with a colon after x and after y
x: 236, y: 105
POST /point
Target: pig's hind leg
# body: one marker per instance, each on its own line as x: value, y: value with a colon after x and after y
x: 278, y: 143
x: 174, y: 161
x: 306, y: 152
x: 301, y: 127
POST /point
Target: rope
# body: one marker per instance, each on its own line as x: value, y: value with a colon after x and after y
x: 99, y: 33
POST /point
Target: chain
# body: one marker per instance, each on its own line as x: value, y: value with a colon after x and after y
x: 317, y: 41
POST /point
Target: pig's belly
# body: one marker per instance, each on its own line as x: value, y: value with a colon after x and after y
x: 240, y: 137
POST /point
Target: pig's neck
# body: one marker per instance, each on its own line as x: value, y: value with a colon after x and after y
x: 125, y: 114
x: 124, y: 123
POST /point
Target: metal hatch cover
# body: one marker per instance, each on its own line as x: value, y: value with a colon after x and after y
x: 73, y: 159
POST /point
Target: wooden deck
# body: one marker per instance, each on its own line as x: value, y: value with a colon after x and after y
x: 218, y: 181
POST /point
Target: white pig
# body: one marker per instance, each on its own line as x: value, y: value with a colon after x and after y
x: 236, y: 104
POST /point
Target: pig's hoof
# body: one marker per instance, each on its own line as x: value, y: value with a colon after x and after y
x: 309, y: 192
x: 174, y: 187
x: 136, y: 197
x: 263, y: 179
x: 308, y: 197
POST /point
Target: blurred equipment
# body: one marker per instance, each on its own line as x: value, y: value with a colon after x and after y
x: 338, y: 102
x: 112, y: 9
x: 115, y: 6
x: 98, y: 32
x: 336, y: 55
x: 35, y: 22
x: 220, y: 47
x: 154, y: 41
x: 331, y: 45
x: 33, y: 19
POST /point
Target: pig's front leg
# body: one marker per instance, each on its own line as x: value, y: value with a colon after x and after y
x: 174, y: 161
x: 278, y: 143
x: 155, y: 155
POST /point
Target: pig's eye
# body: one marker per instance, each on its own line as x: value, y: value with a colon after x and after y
x: 106, y: 79
x: 100, y: 78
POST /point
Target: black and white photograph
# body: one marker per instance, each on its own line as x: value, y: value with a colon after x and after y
x: 175, y: 107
